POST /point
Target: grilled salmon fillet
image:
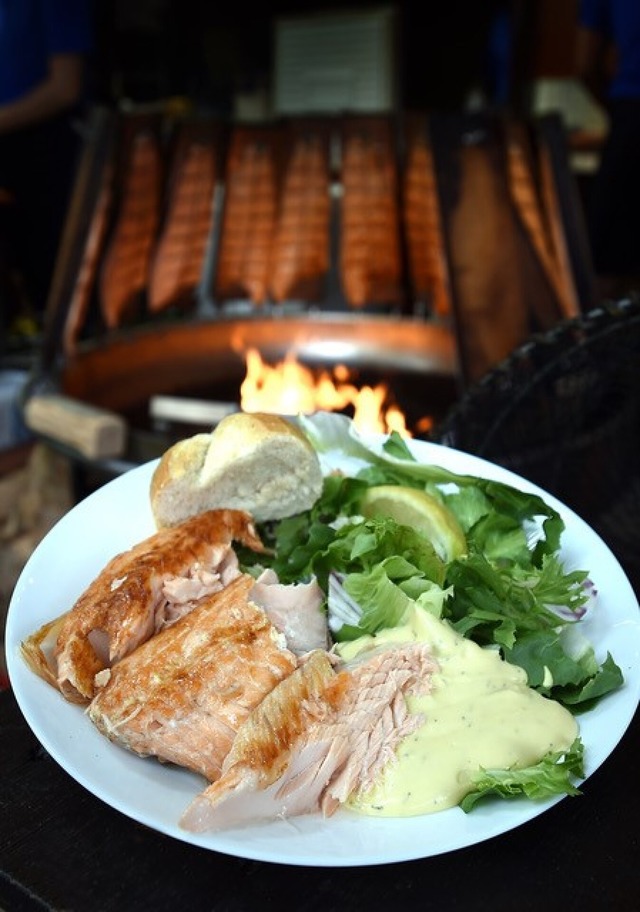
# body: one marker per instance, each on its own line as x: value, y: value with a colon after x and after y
x: 138, y: 593
x: 316, y: 738
x: 249, y: 220
x: 183, y: 695
x: 301, y: 242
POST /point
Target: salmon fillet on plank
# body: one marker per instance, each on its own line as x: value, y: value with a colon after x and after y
x: 319, y: 736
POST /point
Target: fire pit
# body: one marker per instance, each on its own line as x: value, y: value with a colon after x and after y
x: 359, y: 318
x: 207, y: 360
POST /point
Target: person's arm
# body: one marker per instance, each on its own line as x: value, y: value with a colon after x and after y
x: 61, y: 89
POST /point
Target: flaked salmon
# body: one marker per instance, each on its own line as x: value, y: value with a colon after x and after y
x: 138, y: 593
x: 183, y: 694
x: 318, y: 737
x: 296, y: 609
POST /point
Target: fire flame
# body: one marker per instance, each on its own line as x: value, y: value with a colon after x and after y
x: 291, y: 388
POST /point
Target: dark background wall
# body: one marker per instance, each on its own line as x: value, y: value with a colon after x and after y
x: 149, y: 49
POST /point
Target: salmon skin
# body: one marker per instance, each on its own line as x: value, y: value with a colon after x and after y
x: 183, y: 694
x: 316, y: 738
x: 139, y: 592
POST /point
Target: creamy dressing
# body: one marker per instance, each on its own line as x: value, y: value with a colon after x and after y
x: 480, y: 713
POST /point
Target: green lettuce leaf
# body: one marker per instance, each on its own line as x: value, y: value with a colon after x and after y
x: 552, y: 776
x: 583, y: 696
x: 394, y: 464
x: 385, y: 593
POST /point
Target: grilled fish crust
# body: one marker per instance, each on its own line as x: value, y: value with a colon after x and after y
x: 119, y: 610
x: 182, y: 695
x: 317, y: 738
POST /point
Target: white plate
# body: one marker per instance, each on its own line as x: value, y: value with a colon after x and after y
x: 117, y: 516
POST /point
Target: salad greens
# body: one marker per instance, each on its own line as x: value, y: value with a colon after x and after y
x: 510, y: 591
x: 551, y: 776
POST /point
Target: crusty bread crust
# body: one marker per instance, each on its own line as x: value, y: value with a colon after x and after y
x: 184, y: 458
x: 257, y: 462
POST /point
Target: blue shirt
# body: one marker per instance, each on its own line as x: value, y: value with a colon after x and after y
x: 31, y: 31
x: 618, y: 21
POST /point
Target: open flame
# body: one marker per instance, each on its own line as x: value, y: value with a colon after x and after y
x: 290, y: 388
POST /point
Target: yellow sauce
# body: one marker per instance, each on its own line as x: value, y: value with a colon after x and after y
x: 479, y: 713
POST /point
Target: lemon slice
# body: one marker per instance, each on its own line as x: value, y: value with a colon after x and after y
x: 420, y: 510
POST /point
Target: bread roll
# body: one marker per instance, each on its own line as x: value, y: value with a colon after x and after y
x: 256, y: 462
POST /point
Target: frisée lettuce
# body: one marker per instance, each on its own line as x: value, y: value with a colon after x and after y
x: 553, y: 775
